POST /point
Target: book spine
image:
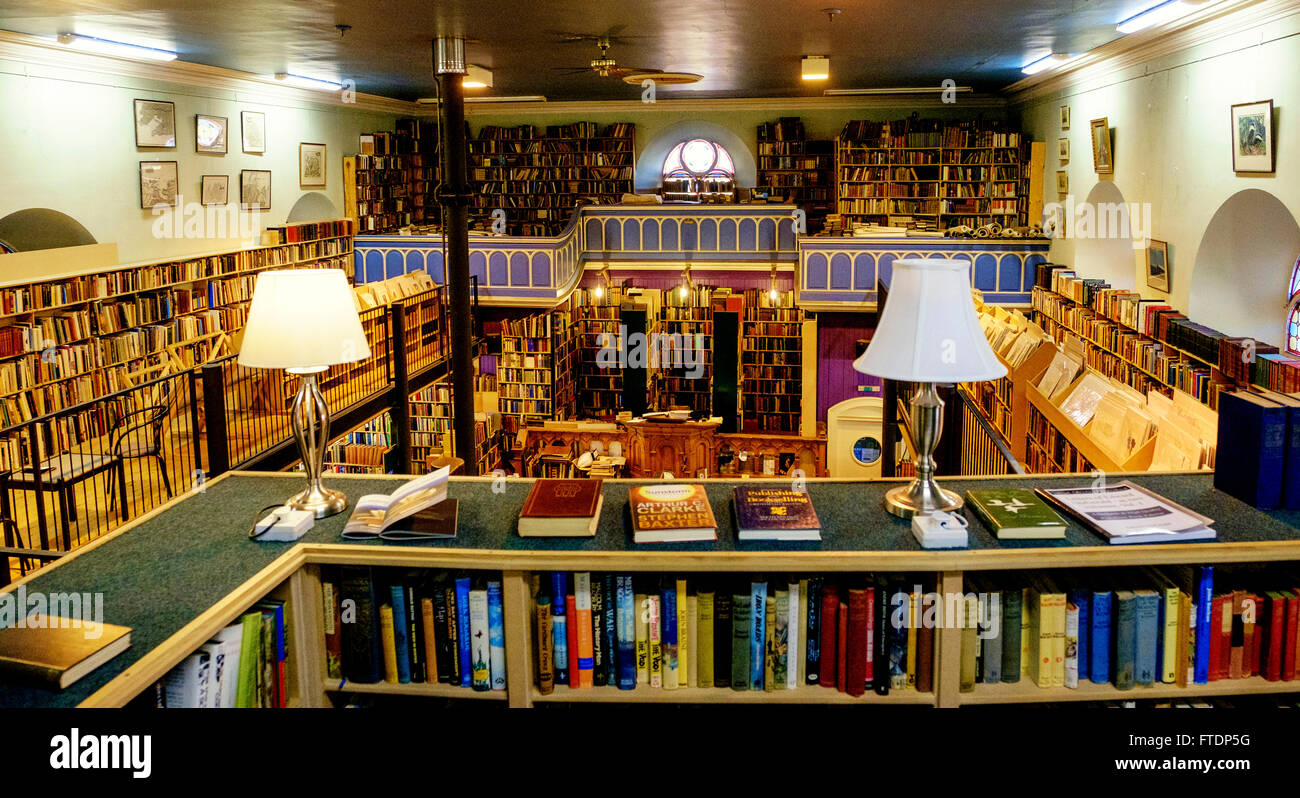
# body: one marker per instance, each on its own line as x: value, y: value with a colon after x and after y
x: 855, y: 673
x: 1071, y: 645
x: 430, y: 640
x: 1011, y: 621
x: 480, y: 650
x: 794, y: 674
x: 560, y: 625
x: 683, y: 635
x: 584, y: 630
x: 401, y: 643
x: 842, y: 646
x: 1125, y: 641
x: 992, y: 639
x: 969, y: 647
x: 571, y: 641
x: 781, y: 642
x: 769, y: 645
x: 705, y: 638
x: 333, y: 629
x: 454, y: 634
x: 872, y: 631
x: 669, y: 630
x: 463, y: 624
x: 545, y: 646
x: 387, y: 636
x: 655, y: 633
x: 693, y: 640
x: 642, y: 619
x: 741, y: 610
x: 628, y: 639
x: 1083, y: 601
x: 1204, y: 607
x: 828, y: 629
x: 722, y: 634
x: 609, y: 591
x: 361, y: 643
x: 899, y: 603
x: 1169, y: 655
x: 1058, y: 639
x: 496, y: 636
x: 1099, y: 633
x: 1292, y: 653
x: 758, y: 636
x: 925, y: 658
x: 913, y: 606
x: 882, y: 681
x: 1038, y: 655
x: 415, y: 632
x: 598, y: 655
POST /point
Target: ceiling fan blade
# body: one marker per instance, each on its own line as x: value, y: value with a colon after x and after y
x: 623, y: 71
x: 572, y: 70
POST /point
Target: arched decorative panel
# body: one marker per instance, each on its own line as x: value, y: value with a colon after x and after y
x: 497, y: 264
x: 518, y: 268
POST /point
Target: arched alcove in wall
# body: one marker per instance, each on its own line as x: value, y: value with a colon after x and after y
x: 649, y: 163
x: 1243, y: 267
x: 42, y: 228
x: 312, y: 207
x: 1104, y: 243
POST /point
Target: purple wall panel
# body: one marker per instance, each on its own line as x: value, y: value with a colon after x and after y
x: 837, y: 337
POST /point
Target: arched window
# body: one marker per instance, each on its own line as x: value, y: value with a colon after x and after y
x: 1293, y: 315
x: 699, y: 167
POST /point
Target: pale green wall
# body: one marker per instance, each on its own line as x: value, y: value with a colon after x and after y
x: 67, y: 142
x: 1171, y: 134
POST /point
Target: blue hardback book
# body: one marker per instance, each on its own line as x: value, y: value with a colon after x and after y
x: 625, y: 619
x: 758, y: 637
x: 496, y: 636
x: 1251, y: 468
x: 1146, y: 655
x: 1083, y: 600
x: 1101, y: 614
x: 668, y: 625
x: 607, y: 630
x: 462, y: 622
x: 1204, y: 608
x: 401, y: 636
x: 559, y: 627
x: 1291, y: 457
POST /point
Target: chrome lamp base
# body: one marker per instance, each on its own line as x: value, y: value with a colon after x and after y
x: 311, y: 429
x: 923, y: 495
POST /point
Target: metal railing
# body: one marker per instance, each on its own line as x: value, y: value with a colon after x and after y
x: 983, y: 451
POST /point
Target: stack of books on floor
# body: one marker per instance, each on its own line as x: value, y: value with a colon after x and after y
x: 417, y: 626
x: 243, y: 666
x: 851, y: 633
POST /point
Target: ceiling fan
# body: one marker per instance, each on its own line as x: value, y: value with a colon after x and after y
x: 606, y: 67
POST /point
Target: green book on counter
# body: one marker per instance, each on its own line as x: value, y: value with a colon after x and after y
x: 1016, y: 514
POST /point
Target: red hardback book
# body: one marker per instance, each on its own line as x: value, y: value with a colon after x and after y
x: 924, y: 659
x: 871, y: 634
x: 1272, y: 654
x: 571, y: 632
x: 1220, y: 637
x: 561, y: 508
x: 829, y: 634
x: 1253, y: 629
x: 841, y: 652
x: 855, y: 669
x: 1292, y: 636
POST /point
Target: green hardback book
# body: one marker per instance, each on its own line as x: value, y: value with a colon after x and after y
x: 741, y: 618
x: 1011, y: 513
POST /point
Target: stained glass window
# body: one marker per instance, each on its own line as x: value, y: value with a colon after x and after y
x: 697, y: 166
x: 1293, y: 330
x: 1295, y: 281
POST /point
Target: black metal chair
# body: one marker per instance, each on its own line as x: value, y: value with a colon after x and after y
x: 140, y: 434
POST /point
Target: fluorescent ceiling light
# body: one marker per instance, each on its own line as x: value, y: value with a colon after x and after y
x: 105, y: 47
x: 477, y: 78
x: 526, y: 98
x: 894, y: 90
x: 816, y: 67
x: 308, y: 83
x: 1157, y: 15
x: 1046, y: 62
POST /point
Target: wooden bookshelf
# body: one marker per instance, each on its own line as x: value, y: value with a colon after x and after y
x: 930, y: 174
x: 1058, y: 445
x: 539, y: 176
x: 390, y: 183
x: 535, y: 375
x: 368, y: 449
x: 689, y: 321
x: 433, y: 433
x: 796, y: 168
x: 772, y: 363
x: 1005, y: 401
x: 598, y: 326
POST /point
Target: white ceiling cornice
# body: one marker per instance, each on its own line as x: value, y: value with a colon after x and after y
x: 1105, y: 63
x: 733, y: 104
x: 40, y: 51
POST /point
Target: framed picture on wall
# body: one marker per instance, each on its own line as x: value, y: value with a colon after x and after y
x: 1065, y: 117
x: 1158, y: 265
x: 1063, y: 150
x: 311, y: 165
x: 1252, y: 137
x: 1062, y: 182
x: 255, y: 189
x: 252, y: 125
x: 158, y: 183
x: 210, y: 133
x: 155, y: 123
x: 1103, y: 157
x: 215, y: 189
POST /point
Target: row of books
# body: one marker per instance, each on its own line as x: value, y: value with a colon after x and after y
x: 242, y: 666
x: 310, y: 231
x: 765, y: 633
x: 430, y: 627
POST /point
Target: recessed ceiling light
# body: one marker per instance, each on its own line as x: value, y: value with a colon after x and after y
x: 1046, y: 62
x: 90, y: 44
x: 816, y: 67
x: 1158, y: 14
x: 308, y: 83
x: 477, y: 77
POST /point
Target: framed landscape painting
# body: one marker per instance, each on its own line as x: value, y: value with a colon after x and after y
x: 1252, y: 137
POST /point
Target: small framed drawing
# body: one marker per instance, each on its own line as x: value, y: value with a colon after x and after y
x: 215, y: 189
x: 158, y: 183
x: 155, y: 123
x: 1065, y: 117
x: 1062, y: 182
x: 1252, y: 137
x: 210, y: 133
x: 252, y: 125
x: 311, y: 165
x: 1158, y: 265
x: 1103, y: 157
x: 1063, y: 150
x: 255, y: 189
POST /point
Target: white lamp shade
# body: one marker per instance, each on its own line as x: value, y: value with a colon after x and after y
x: 302, y: 319
x: 929, y: 331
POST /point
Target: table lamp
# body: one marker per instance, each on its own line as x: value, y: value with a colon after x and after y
x: 304, y: 321
x: 928, y: 333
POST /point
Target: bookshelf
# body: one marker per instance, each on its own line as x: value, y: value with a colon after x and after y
x: 71, y: 340
x: 539, y: 176
x: 1057, y: 445
x: 597, y: 319
x: 368, y: 449
x: 799, y: 169
x: 432, y: 432
x: 1005, y: 401
x: 688, y: 321
x: 772, y: 363
x: 930, y: 175
x: 536, y: 372
x: 391, y: 182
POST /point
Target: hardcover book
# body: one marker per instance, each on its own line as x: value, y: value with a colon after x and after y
x: 1016, y: 514
x: 671, y: 513
x: 766, y: 513
x: 51, y: 651
x: 377, y: 515
x: 562, y: 508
